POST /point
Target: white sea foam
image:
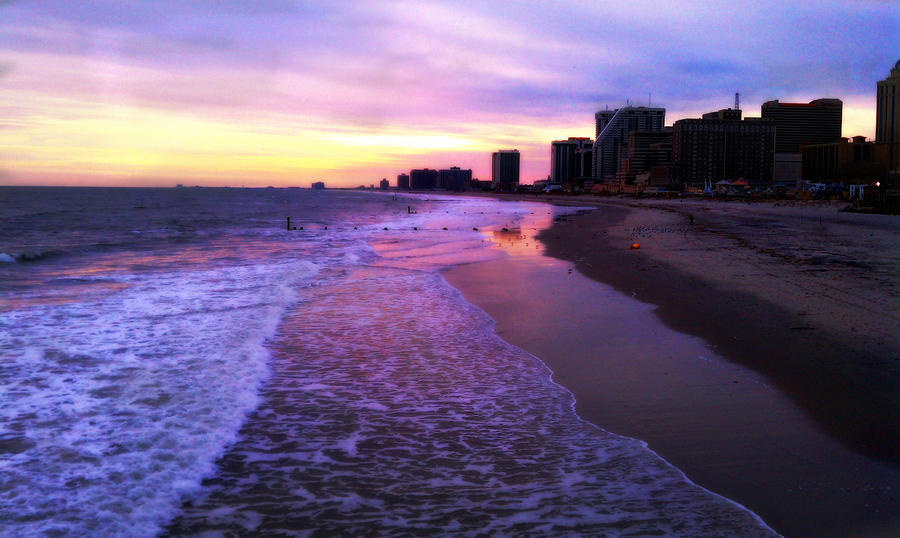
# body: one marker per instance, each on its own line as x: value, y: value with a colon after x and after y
x: 115, y: 409
x: 471, y: 435
x: 392, y: 405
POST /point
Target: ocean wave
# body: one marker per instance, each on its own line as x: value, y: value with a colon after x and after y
x: 28, y: 256
x: 394, y: 408
x: 117, y: 408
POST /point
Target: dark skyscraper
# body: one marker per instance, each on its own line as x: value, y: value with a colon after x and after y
x: 799, y: 124
x: 566, y: 160
x: 641, y: 151
x: 612, y: 127
x: 887, y: 113
x: 716, y: 149
x: 816, y: 122
x: 423, y: 179
x: 403, y: 181
x: 505, y: 169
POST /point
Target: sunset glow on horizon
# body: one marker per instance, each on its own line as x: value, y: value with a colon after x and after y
x: 285, y: 93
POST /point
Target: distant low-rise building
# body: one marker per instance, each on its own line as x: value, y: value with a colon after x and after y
x: 849, y: 161
x: 505, y: 169
x: 385, y: 184
x: 318, y: 185
x: 480, y: 185
x: 455, y: 178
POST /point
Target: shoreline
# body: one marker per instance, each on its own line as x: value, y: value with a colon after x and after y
x: 751, y: 438
x: 761, y: 331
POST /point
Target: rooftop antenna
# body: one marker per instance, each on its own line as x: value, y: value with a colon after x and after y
x: 737, y: 101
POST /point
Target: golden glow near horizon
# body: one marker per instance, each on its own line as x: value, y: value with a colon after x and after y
x: 71, y: 141
x: 113, y: 95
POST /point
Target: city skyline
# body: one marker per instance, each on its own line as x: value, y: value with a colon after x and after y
x: 282, y: 93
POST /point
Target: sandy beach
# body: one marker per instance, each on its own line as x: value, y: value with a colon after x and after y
x: 762, y: 360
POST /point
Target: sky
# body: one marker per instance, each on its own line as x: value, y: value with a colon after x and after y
x: 284, y: 92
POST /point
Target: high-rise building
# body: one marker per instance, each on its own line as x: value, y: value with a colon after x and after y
x: 567, y: 160
x: 641, y: 151
x: 423, y: 179
x: 505, y: 169
x: 887, y: 113
x: 612, y: 127
x: 403, y: 181
x: 797, y: 124
x: 455, y: 179
x: 710, y: 150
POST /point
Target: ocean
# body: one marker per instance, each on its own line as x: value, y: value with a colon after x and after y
x: 176, y: 361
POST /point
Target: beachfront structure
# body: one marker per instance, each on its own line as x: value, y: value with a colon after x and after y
x: 798, y: 124
x: 723, y: 146
x: 570, y: 160
x: 455, y: 178
x: 505, y: 169
x: 424, y: 178
x: 849, y: 161
x: 403, y: 182
x: 887, y: 112
x: 317, y: 186
x: 385, y: 184
x: 612, y: 127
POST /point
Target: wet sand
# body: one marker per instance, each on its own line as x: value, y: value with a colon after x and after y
x: 785, y: 397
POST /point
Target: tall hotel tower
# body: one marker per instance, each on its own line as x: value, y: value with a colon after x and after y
x: 570, y: 159
x: 505, y: 169
x: 796, y: 124
x: 800, y: 124
x: 887, y: 115
x: 613, y: 127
